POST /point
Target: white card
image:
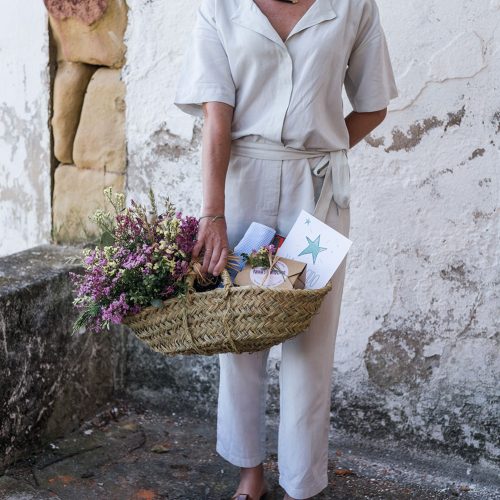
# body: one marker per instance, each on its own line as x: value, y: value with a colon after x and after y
x: 318, y: 245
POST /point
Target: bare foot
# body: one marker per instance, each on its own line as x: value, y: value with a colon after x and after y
x: 252, y: 482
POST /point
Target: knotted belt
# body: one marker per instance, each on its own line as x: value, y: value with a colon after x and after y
x: 334, y: 167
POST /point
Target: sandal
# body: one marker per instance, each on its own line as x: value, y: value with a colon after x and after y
x: 246, y: 496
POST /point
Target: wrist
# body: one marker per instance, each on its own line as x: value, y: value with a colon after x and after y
x: 212, y: 217
x: 216, y: 206
x: 211, y: 213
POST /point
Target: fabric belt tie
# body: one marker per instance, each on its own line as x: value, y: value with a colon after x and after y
x: 334, y: 167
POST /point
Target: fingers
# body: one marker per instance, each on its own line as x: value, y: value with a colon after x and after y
x: 197, y: 247
x: 218, y: 260
x: 214, y: 258
x: 200, y: 241
x: 207, y: 256
x: 222, y: 261
x: 212, y: 244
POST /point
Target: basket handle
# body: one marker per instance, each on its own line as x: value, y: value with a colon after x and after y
x: 226, y: 323
x: 226, y: 278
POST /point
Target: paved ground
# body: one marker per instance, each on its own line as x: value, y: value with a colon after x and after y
x: 127, y: 452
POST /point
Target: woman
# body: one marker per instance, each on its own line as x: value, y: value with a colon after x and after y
x: 267, y: 77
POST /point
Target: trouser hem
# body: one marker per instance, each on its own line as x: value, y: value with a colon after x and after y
x: 239, y: 461
x: 304, y: 491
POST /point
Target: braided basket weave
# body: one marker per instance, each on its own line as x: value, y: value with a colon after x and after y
x: 229, y: 319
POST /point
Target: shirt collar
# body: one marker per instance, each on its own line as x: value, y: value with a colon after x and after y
x: 250, y: 16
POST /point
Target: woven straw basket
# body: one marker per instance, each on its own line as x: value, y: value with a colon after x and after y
x: 229, y: 319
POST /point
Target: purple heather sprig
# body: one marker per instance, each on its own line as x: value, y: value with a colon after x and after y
x: 261, y: 257
x: 146, y: 262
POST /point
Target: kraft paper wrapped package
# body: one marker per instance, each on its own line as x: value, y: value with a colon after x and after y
x: 286, y: 273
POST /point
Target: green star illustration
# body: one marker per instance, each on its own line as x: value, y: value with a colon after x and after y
x: 307, y: 221
x: 313, y: 248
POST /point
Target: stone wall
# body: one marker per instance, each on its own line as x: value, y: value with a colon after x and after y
x: 88, y: 119
x: 418, y: 347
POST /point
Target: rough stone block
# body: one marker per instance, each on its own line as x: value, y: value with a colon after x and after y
x: 50, y: 381
x: 69, y: 90
x: 100, y: 138
x: 77, y: 194
x: 100, y: 42
x: 88, y: 11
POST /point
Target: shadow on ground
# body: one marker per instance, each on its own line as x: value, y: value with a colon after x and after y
x: 130, y: 452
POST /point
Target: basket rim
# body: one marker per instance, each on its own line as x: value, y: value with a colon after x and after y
x: 239, y: 290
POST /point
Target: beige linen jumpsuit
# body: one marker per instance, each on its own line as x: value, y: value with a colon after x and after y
x: 289, y: 152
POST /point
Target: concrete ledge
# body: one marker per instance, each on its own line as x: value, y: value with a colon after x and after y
x: 49, y: 381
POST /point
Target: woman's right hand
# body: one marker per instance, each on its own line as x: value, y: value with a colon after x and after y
x: 212, y: 244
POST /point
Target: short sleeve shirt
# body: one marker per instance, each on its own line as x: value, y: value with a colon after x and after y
x: 289, y: 92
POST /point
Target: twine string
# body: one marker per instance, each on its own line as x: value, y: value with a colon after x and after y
x: 272, y: 262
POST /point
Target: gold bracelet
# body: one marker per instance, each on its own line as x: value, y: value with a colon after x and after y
x: 214, y: 217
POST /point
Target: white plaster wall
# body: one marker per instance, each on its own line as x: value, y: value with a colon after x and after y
x: 25, y: 217
x: 417, y: 352
x: 419, y: 336
x: 163, y: 142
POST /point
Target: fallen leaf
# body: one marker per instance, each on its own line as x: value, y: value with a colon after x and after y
x: 129, y: 426
x: 145, y: 495
x: 62, y: 479
x: 344, y: 472
x: 161, y: 447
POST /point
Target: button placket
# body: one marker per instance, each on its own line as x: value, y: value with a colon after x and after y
x: 286, y: 82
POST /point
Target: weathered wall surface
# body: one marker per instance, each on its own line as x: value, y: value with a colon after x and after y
x: 418, y: 350
x: 418, y: 346
x: 24, y: 133
x: 163, y: 143
x: 49, y: 380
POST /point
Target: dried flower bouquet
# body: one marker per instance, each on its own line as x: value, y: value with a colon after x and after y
x: 144, y: 258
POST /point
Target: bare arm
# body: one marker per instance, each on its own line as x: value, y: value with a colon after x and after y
x: 216, y: 147
x: 360, y: 125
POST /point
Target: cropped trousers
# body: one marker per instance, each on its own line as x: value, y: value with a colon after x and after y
x: 273, y: 192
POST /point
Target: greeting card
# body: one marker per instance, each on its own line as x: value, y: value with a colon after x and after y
x: 316, y: 244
